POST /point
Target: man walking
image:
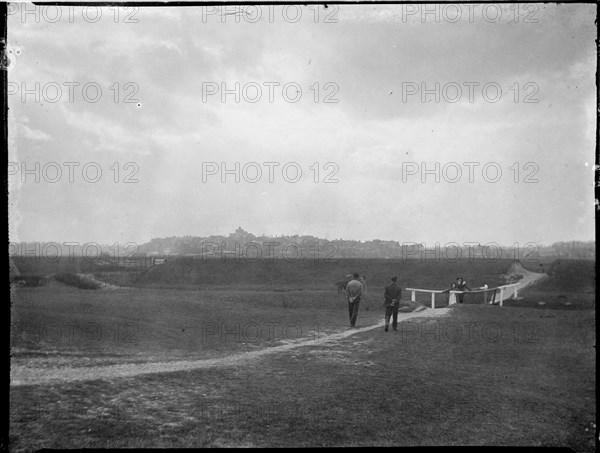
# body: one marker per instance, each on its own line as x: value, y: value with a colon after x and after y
x: 392, y: 295
x: 354, y: 291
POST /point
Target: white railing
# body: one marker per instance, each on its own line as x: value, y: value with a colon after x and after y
x: 501, y: 288
x: 433, y: 292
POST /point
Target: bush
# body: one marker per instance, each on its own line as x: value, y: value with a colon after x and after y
x: 76, y: 280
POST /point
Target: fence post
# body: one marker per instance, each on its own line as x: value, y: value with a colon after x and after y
x: 432, y: 300
x: 412, y: 296
x: 515, y: 293
x: 501, y: 295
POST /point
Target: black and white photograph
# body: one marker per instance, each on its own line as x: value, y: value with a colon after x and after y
x: 301, y: 224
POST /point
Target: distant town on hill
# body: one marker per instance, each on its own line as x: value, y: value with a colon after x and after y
x: 241, y: 243
x: 247, y: 244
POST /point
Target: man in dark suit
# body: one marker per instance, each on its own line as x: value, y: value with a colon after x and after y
x: 392, y: 295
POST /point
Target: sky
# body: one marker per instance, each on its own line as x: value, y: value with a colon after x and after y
x: 456, y: 123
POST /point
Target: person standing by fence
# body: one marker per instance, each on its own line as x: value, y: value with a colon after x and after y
x: 461, y: 285
x: 354, y: 291
x: 451, y: 294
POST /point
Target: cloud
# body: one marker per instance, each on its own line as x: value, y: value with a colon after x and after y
x: 34, y: 134
x: 365, y: 61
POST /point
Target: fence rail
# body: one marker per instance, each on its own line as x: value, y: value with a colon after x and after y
x: 433, y: 292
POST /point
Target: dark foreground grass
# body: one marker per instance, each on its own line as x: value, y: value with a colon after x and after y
x: 485, y: 375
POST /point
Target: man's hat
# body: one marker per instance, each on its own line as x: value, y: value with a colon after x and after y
x: 394, y: 279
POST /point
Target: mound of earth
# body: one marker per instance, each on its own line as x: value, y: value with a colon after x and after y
x: 515, y: 272
x: 573, y: 275
x: 518, y: 274
x: 316, y: 273
x: 407, y: 306
x: 567, y: 284
x: 82, y: 281
x: 100, y: 284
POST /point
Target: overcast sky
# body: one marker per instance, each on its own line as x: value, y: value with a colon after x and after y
x: 373, y: 60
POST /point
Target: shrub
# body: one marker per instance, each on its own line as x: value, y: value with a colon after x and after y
x: 71, y: 279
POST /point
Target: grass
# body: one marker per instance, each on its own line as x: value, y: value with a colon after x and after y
x: 532, y: 386
x: 570, y: 286
x: 92, y: 327
x: 485, y: 375
x: 182, y: 272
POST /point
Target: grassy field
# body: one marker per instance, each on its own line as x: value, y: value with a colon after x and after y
x: 280, y: 274
x: 167, y: 324
x: 523, y: 374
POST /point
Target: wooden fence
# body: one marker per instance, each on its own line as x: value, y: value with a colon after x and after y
x: 486, y: 291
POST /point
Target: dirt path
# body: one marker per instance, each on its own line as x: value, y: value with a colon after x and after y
x: 20, y: 375
x: 528, y: 278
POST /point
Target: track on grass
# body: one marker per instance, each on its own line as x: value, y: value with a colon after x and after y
x: 21, y: 375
